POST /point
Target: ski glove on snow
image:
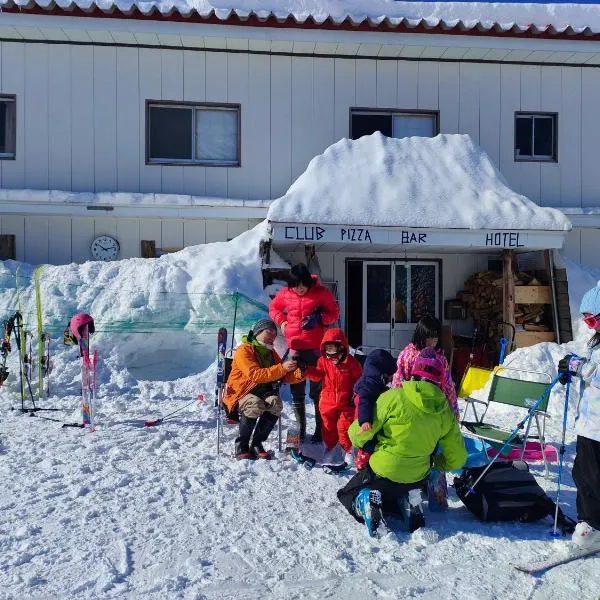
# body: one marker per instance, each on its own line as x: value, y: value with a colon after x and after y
x: 569, y: 365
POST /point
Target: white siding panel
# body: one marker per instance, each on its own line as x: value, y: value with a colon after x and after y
x: 15, y: 225
x: 387, y: 84
x: 449, y: 97
x: 590, y: 247
x: 36, y: 116
x: 130, y: 138
x: 530, y: 172
x: 172, y: 89
x: 194, y: 90
x: 572, y: 246
x: 59, y: 232
x: 82, y: 236
x: 13, y: 82
x: 345, y: 95
x: 59, y: 120
x: 194, y: 232
x: 302, y: 113
x: 216, y: 231
x: 427, y: 90
x: 82, y: 121
x: 257, y: 137
x: 150, y: 89
x: 510, y: 101
x: 468, y: 116
x: 105, y: 119
x: 408, y: 84
x: 281, y: 124
x: 172, y: 233
x: 569, y: 136
x: 489, y: 111
x: 36, y: 240
x: 324, y: 114
x: 237, y: 92
x: 128, y: 234
x: 150, y: 229
x: 590, y: 136
x: 216, y: 91
x: 551, y: 101
x: 366, y: 83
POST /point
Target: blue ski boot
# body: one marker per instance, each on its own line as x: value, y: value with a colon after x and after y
x: 368, y: 506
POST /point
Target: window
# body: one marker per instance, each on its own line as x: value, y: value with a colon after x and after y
x: 197, y: 134
x: 535, y: 136
x: 393, y: 123
x: 8, y: 126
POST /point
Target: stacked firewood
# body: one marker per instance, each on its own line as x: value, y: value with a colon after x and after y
x: 483, y: 295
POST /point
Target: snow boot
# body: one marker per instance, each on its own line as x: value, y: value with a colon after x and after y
x: 300, y: 416
x: 265, y: 425
x: 367, y: 505
x: 412, y: 510
x: 242, y: 442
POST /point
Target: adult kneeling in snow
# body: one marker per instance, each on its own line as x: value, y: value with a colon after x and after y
x: 408, y: 424
x: 253, y: 387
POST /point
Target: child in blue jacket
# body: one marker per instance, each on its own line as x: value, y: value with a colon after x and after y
x: 378, y: 370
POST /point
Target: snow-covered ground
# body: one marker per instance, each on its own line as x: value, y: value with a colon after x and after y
x: 135, y: 512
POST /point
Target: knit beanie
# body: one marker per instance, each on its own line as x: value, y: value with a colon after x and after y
x: 590, y: 303
x: 428, y: 366
x: 263, y: 324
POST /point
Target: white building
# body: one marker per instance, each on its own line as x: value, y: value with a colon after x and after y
x: 177, y: 125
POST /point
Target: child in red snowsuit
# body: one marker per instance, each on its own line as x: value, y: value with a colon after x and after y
x: 339, y: 372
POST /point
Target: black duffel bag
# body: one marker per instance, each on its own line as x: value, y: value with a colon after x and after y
x: 507, y: 492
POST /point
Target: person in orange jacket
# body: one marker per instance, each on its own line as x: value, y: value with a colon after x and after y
x: 339, y: 371
x: 253, y: 388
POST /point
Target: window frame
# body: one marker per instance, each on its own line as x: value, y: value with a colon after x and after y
x: 411, y: 112
x: 537, y: 157
x: 12, y: 98
x: 194, y: 106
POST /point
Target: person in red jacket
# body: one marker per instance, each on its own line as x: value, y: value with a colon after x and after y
x: 339, y: 371
x: 303, y: 310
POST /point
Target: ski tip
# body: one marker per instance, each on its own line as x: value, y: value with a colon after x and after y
x: 152, y: 423
x: 201, y: 397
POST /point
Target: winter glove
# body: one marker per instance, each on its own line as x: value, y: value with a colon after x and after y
x: 312, y: 320
x: 362, y: 459
x: 569, y: 365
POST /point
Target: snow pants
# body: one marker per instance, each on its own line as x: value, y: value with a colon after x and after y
x: 308, y: 357
x: 252, y: 406
x: 391, y: 491
x: 336, y: 422
x: 586, y: 475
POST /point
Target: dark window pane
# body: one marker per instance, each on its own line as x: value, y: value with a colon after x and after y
x: 3, y: 127
x: 401, y: 294
x: 542, y: 135
x: 379, y: 293
x: 368, y: 124
x: 422, y: 291
x: 523, y: 136
x: 170, y: 132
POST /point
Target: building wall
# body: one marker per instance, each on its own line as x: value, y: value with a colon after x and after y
x: 582, y: 245
x: 81, y: 121
x: 62, y: 239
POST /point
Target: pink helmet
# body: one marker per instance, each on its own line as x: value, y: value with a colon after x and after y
x: 78, y: 322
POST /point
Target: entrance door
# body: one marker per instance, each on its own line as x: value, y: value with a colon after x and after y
x: 396, y: 294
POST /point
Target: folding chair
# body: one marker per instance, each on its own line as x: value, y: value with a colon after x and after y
x: 223, y: 420
x: 474, y: 378
x: 519, y: 393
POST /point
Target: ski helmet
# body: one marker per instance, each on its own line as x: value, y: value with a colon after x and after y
x: 78, y: 322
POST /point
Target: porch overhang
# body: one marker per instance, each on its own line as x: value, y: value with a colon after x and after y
x: 370, y: 239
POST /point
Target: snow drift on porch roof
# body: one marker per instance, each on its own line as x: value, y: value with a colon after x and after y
x: 445, y: 182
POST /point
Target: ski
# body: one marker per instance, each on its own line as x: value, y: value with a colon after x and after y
x: 437, y: 491
x: 310, y: 463
x: 544, y: 565
x: 220, y: 381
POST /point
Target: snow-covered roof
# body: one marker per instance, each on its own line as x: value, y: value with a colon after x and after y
x: 445, y: 182
x: 511, y: 18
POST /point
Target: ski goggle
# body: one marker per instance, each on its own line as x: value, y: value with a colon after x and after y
x: 592, y: 321
x: 334, y: 354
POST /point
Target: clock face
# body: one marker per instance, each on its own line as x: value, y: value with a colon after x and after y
x: 105, y: 247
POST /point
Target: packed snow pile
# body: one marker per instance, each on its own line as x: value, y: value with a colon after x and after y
x: 444, y: 182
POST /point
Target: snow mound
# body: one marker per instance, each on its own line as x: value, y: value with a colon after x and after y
x: 444, y: 182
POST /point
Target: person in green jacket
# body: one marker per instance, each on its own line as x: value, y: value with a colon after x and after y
x: 408, y: 425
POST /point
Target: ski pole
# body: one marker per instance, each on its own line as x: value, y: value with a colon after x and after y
x: 158, y: 421
x: 561, y: 454
x: 514, y: 434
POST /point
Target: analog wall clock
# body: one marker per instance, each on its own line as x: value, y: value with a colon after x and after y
x: 105, y: 247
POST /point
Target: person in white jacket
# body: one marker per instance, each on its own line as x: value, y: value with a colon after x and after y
x: 586, y: 468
